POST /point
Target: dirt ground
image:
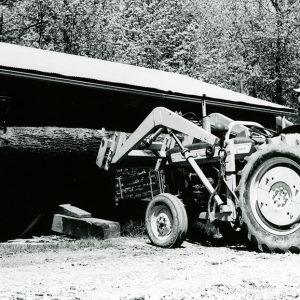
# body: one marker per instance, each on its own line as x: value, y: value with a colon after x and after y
x: 131, y: 268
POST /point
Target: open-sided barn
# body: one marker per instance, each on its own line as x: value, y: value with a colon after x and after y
x: 50, y: 88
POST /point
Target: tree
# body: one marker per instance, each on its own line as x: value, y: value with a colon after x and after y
x: 250, y: 46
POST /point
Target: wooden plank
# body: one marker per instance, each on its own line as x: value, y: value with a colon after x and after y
x: 85, y: 227
x: 129, y: 178
x: 73, y: 211
x: 140, y: 195
x: 142, y: 181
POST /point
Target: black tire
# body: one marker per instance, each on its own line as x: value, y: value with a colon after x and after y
x: 166, y: 221
x: 268, y: 198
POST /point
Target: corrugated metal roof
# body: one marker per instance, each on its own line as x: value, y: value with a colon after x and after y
x: 70, y: 66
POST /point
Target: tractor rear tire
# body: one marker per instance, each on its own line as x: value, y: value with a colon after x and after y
x: 166, y: 221
x: 269, y: 192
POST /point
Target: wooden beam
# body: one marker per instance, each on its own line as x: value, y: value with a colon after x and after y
x: 73, y: 211
x: 85, y: 227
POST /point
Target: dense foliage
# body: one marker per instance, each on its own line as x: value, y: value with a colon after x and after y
x: 252, y: 46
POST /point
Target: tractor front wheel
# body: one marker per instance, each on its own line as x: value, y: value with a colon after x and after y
x: 166, y: 221
x: 270, y: 198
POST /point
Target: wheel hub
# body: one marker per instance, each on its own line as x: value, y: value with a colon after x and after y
x: 278, y: 196
x: 163, y: 224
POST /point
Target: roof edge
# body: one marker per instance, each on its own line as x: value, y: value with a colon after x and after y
x: 83, y: 82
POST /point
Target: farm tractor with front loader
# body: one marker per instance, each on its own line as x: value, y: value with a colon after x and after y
x: 239, y: 175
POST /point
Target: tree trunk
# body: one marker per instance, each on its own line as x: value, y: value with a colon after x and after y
x: 51, y: 141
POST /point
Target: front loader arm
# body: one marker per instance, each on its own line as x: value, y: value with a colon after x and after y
x: 162, y: 117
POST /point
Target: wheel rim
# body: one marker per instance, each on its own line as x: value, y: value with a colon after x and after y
x: 275, y: 195
x: 161, y: 222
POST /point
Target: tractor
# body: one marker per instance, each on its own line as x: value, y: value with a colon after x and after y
x: 239, y: 175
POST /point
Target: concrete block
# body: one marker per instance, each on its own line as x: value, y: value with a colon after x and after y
x: 85, y: 227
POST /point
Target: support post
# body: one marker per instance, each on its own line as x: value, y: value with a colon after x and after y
x: 205, y: 117
x: 283, y: 122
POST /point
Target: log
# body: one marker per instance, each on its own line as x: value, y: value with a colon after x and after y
x: 51, y: 140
